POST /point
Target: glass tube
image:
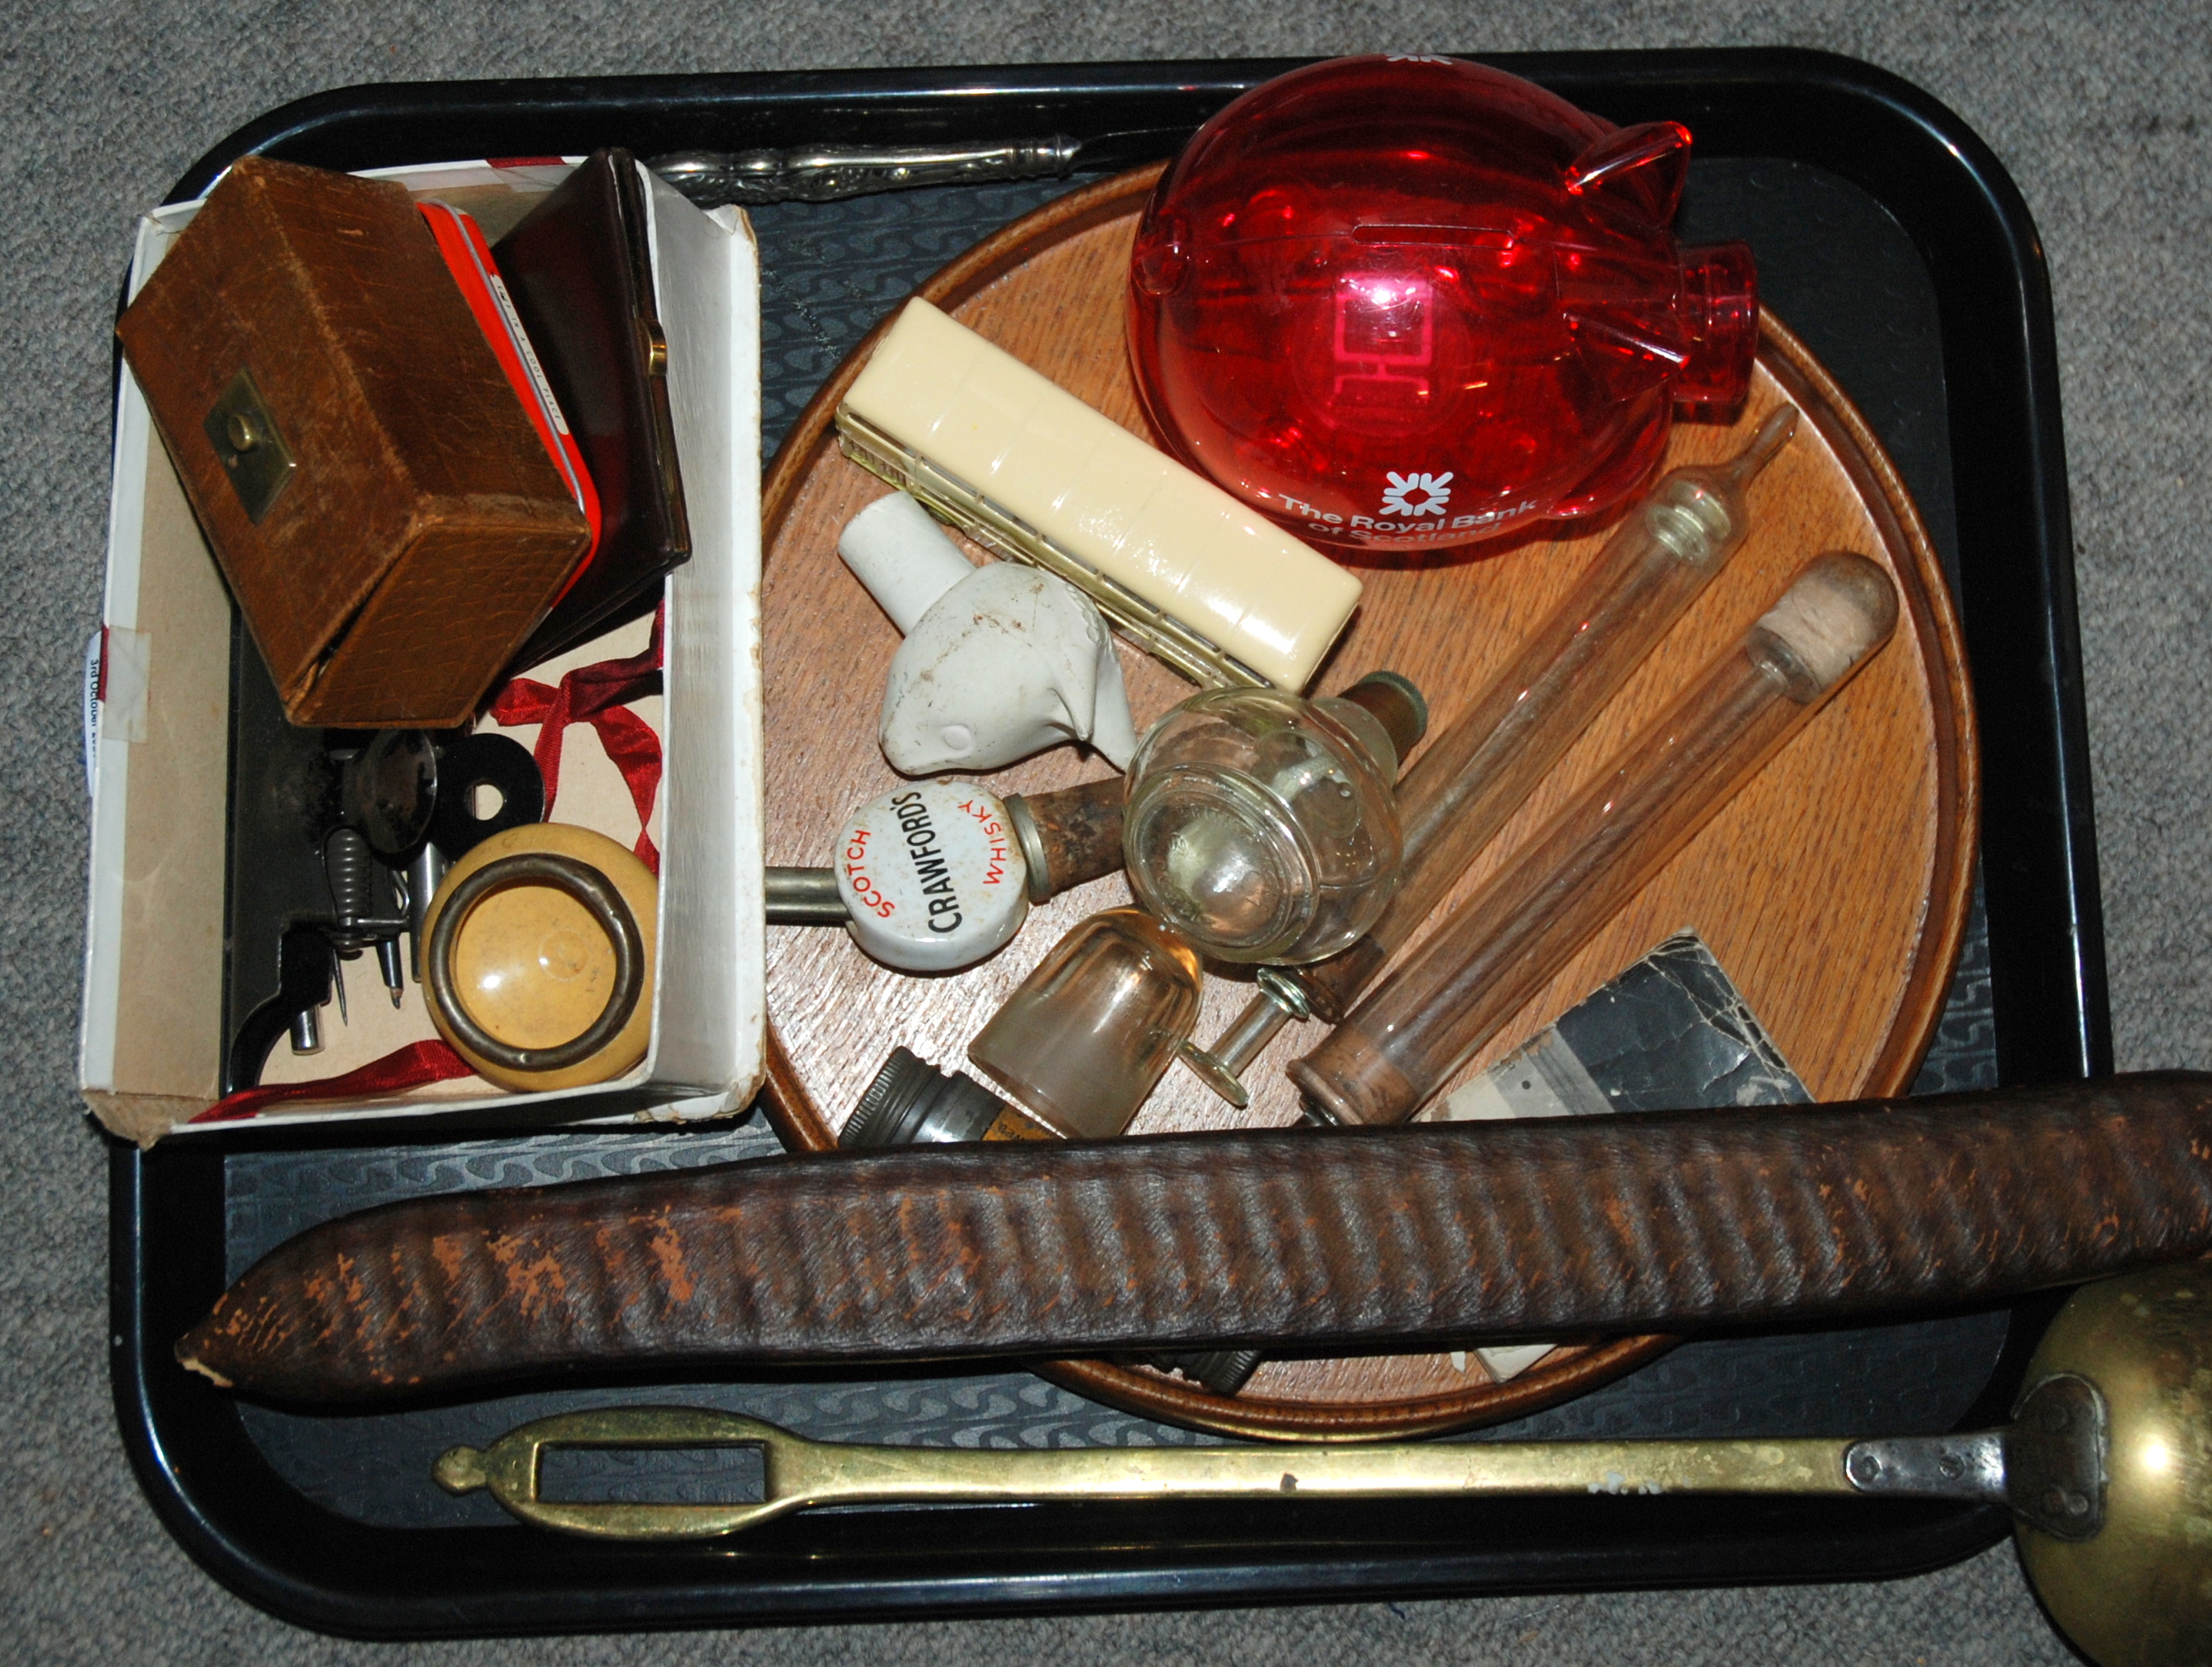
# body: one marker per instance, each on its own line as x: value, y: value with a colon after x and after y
x: 1414, y: 1030
x: 1477, y: 772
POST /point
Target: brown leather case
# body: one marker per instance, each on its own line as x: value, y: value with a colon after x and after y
x: 580, y: 269
x: 1424, y: 1235
x: 420, y: 532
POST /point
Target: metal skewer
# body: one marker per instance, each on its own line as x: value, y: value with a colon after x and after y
x: 823, y: 173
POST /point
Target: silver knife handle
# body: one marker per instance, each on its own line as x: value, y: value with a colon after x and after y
x: 823, y: 173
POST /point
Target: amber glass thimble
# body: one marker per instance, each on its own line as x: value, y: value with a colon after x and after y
x: 1087, y: 1035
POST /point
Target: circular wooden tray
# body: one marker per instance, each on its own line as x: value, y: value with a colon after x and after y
x: 1834, y: 888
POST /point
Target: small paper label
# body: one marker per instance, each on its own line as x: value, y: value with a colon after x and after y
x: 121, y: 680
x: 92, y: 661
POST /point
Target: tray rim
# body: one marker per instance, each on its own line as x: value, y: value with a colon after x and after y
x: 235, y: 1515
x: 1935, y: 626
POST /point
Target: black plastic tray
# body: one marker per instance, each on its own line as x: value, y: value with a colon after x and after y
x: 1889, y: 238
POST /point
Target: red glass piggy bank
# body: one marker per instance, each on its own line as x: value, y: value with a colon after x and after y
x: 1412, y: 302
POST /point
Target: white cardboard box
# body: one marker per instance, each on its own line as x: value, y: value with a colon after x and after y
x: 151, y: 1041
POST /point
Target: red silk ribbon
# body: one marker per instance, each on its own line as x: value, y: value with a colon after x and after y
x: 408, y: 1067
x: 599, y: 695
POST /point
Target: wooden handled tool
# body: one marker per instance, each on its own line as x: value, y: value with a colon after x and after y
x: 1428, y: 1234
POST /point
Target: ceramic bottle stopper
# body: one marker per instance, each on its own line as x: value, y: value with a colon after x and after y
x: 940, y: 875
x: 1000, y: 661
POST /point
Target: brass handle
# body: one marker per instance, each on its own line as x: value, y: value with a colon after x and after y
x: 511, y: 1468
x: 798, y: 1473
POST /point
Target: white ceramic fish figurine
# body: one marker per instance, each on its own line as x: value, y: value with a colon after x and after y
x: 1000, y: 661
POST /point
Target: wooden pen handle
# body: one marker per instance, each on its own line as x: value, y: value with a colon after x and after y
x: 1420, y: 1235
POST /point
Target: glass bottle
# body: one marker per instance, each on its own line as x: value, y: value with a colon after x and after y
x: 1260, y: 825
x: 1083, y: 1039
x: 910, y: 1103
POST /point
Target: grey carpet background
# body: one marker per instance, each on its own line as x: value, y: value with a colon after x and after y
x: 2102, y: 113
